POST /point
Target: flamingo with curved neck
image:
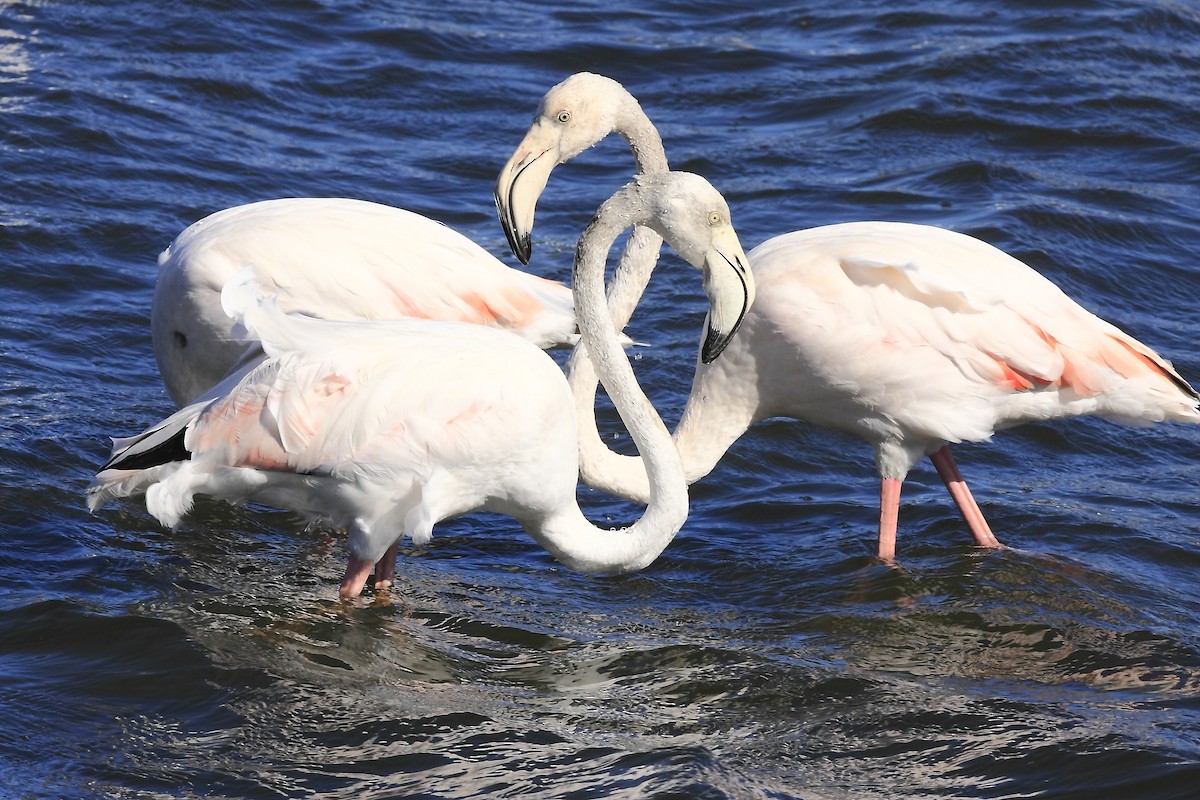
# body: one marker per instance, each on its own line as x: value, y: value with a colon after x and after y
x: 388, y: 427
x: 911, y: 337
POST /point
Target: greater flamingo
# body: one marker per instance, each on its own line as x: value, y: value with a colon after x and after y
x: 910, y: 337
x: 387, y: 427
x: 335, y: 259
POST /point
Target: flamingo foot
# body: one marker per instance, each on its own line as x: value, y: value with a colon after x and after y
x: 943, y: 461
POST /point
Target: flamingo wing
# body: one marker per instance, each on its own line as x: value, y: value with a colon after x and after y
x: 350, y: 259
x: 937, y: 333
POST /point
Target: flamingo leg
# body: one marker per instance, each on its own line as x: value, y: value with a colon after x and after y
x: 948, y: 470
x: 357, y: 572
x: 385, y: 568
x: 889, y: 513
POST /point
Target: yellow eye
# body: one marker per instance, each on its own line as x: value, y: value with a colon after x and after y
x: 714, y: 218
x: 563, y: 117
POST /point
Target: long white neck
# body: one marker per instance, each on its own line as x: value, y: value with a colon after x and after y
x: 600, y: 467
x: 641, y: 250
x: 567, y: 534
x: 719, y: 409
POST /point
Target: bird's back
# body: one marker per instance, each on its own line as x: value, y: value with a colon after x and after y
x: 338, y: 259
x: 891, y: 329
x: 376, y: 426
x: 409, y: 396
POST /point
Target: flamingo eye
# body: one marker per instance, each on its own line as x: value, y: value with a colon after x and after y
x: 563, y: 117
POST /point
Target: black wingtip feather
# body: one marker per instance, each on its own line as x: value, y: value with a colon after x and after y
x: 164, y: 452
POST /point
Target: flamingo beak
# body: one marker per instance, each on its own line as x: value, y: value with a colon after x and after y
x: 521, y: 183
x: 729, y: 284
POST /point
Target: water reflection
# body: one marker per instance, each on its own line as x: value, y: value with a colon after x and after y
x: 15, y: 63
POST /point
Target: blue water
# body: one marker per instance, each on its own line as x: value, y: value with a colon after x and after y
x: 765, y: 654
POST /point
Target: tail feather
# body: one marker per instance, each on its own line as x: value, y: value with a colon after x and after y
x: 157, y: 446
x: 161, y: 444
x: 139, y: 461
x: 1173, y: 386
x: 111, y: 484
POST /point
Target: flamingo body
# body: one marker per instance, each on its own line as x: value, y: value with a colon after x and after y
x: 335, y: 259
x: 380, y: 427
x: 912, y: 337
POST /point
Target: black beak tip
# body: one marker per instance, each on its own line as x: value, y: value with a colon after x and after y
x: 714, y: 344
x: 521, y: 245
x: 523, y: 248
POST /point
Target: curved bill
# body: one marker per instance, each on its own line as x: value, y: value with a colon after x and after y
x: 521, y: 182
x: 729, y: 285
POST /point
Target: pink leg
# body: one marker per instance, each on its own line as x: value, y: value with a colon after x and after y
x: 944, y: 462
x: 385, y: 568
x: 889, y: 513
x: 357, y: 572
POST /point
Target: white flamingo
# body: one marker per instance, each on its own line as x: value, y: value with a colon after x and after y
x: 387, y: 427
x: 335, y: 259
x: 910, y: 337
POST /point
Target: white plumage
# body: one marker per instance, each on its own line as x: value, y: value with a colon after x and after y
x: 387, y: 427
x: 910, y: 337
x: 335, y: 259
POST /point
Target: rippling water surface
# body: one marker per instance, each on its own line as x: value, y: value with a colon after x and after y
x: 765, y: 654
